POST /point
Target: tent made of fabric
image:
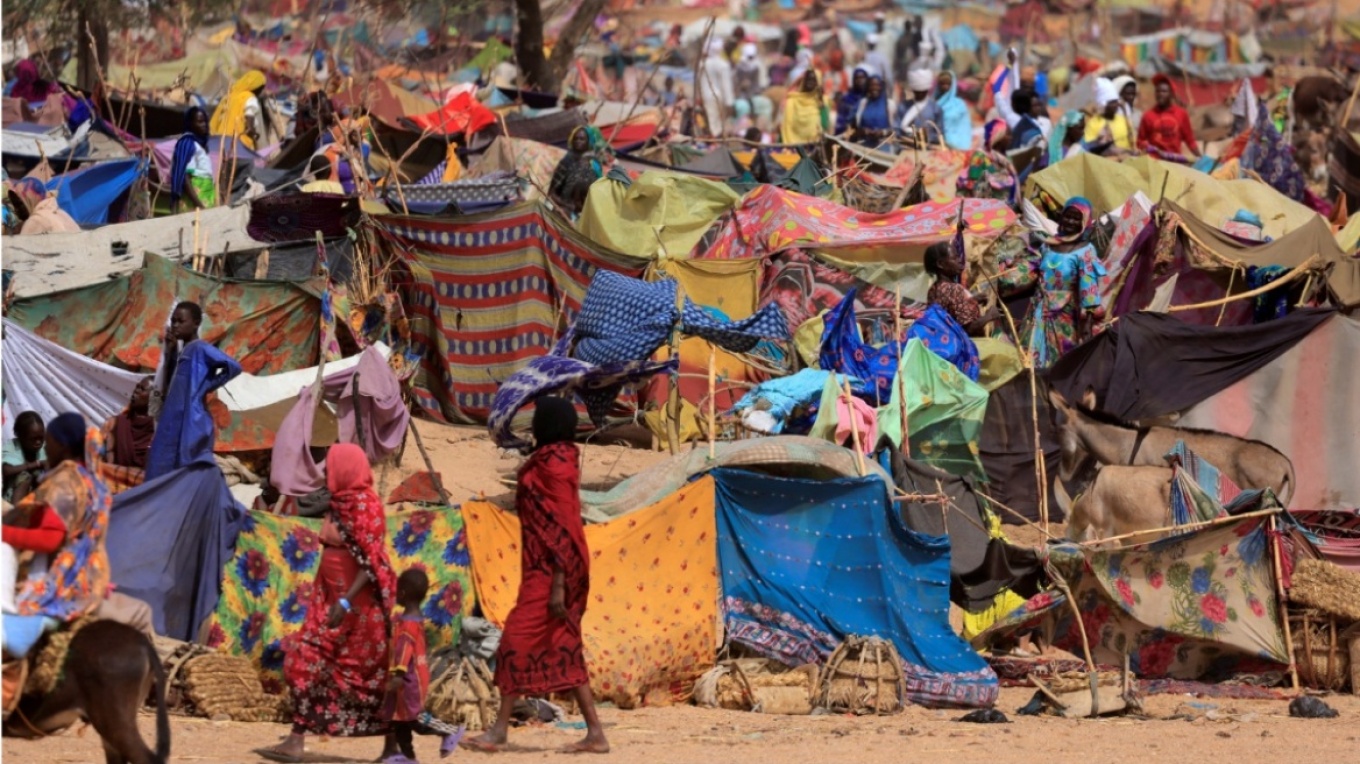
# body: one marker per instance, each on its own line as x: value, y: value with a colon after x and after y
x: 489, y: 292
x: 770, y: 220
x: 1107, y: 184
x: 384, y: 98
x: 88, y: 194
x: 660, y: 214
x: 1203, y: 604
x: 1211, y: 248
x: 871, y: 575
x: 267, y: 327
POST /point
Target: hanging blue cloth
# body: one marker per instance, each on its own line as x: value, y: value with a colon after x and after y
x: 943, y: 336
x: 843, y: 351
x: 184, y: 432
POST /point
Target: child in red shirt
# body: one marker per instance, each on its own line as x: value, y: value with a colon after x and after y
x: 409, y: 677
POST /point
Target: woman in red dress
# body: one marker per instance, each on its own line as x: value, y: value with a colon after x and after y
x: 541, y: 651
x: 336, y: 665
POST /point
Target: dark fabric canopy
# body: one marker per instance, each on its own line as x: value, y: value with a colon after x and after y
x: 1153, y: 364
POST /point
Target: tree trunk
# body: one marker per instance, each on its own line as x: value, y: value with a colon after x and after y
x: 581, y: 23
x: 92, y: 57
x: 529, y: 46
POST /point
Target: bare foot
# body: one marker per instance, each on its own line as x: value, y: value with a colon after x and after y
x: 487, y: 742
x: 290, y: 750
x: 592, y: 743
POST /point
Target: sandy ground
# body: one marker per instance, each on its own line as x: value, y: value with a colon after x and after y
x: 471, y: 467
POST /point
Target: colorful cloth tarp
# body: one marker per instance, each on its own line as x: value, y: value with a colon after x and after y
x: 1197, y: 606
x: 624, y: 319
x: 945, y: 412
x: 598, y: 386
x: 807, y: 563
x: 770, y: 220
x: 943, y: 336
x: 843, y: 351
x: 650, y: 626
x: 169, y: 539
x: 88, y: 194
x: 487, y: 293
x: 462, y: 114
x: 267, y: 585
x: 267, y: 327
x: 660, y: 213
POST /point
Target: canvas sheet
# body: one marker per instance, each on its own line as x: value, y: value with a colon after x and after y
x: 533, y: 161
x: 651, y: 624
x: 267, y: 327
x: 168, y: 541
x: 1200, y: 605
x: 487, y: 293
x: 659, y: 214
x: 807, y: 563
x: 267, y: 585
x: 1108, y: 184
x: 1303, y: 402
x: 770, y: 220
x: 940, y: 170
x: 805, y: 286
x: 945, y: 411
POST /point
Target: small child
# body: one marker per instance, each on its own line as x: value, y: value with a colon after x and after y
x: 409, y: 678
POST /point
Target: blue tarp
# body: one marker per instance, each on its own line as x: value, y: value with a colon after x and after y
x: 168, y: 542
x: 806, y: 563
x: 87, y: 194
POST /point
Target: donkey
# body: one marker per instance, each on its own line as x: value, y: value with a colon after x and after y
x: 110, y: 668
x: 1121, y: 500
x: 1248, y: 463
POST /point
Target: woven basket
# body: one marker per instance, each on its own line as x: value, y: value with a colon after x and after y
x: 1326, y: 587
x: 1080, y: 681
x: 221, y: 685
x: 757, y: 684
x: 1322, y: 654
x: 463, y: 691
x: 863, y: 676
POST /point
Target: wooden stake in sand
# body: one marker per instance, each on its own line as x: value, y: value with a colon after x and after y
x: 429, y: 465
x: 901, y: 383
x: 1284, y: 603
x: 198, y: 251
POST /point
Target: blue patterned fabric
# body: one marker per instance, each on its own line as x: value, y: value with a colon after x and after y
x: 807, y: 563
x: 1268, y: 155
x: 1273, y: 303
x: 626, y: 319
x: 843, y: 351
x: 598, y: 387
x: 184, y: 431
x: 943, y: 336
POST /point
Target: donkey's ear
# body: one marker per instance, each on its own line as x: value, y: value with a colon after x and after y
x: 1088, y: 398
x: 1056, y: 398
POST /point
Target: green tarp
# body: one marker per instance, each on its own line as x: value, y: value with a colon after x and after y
x: 660, y: 214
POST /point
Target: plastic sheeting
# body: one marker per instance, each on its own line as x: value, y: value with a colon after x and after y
x: 87, y: 194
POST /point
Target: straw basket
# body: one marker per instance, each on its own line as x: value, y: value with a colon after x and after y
x: 46, y: 665
x: 1321, y: 652
x: 1327, y: 588
x: 863, y: 676
x: 759, y: 685
x: 463, y: 691
x: 1072, y: 695
x: 222, y: 685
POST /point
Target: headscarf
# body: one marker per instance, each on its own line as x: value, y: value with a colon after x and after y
x: 919, y: 80
x: 1057, y: 150
x: 185, y: 148
x: 1087, y: 210
x: 1122, y: 82
x: 802, y: 62
x: 26, y: 82
x: 554, y: 421
x: 874, y: 114
x: 957, y: 117
x: 1105, y: 92
x: 358, y: 515
x: 132, y: 435
x: 69, y: 430
x: 993, y: 132
x: 229, y: 118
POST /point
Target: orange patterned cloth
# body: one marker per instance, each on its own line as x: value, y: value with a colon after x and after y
x: 651, y: 625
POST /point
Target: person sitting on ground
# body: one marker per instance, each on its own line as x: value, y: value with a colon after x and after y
x: 541, y: 650
x: 24, y: 456
x: 582, y: 165
x: 191, y: 170
x: 408, y: 677
x: 127, y: 440
x: 1166, y: 127
x: 919, y: 117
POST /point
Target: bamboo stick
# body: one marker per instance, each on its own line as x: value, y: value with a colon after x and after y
x: 712, y: 402
x: 854, y: 428
x: 429, y: 465
x: 1303, y: 267
x: 1284, y: 606
x: 1185, y: 527
x: 673, y: 407
x: 901, y: 383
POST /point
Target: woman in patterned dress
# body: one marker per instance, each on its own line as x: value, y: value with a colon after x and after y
x: 541, y: 650
x: 989, y: 173
x: 1070, y: 281
x: 336, y: 665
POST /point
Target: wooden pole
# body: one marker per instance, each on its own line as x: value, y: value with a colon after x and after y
x: 904, y: 446
x: 1284, y: 605
x: 1185, y: 527
x: 712, y: 401
x: 198, y: 252
x: 429, y: 465
x: 673, y: 397
x: 854, y: 428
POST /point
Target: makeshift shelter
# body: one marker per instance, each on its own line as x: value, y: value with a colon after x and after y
x: 89, y: 194
x: 651, y: 626
x: 659, y: 214
x: 266, y: 327
x: 267, y: 583
x: 1108, y: 184
x: 806, y: 564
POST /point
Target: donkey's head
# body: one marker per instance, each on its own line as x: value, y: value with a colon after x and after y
x: 1073, y: 449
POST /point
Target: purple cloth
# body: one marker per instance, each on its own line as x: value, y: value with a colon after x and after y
x: 379, y: 428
